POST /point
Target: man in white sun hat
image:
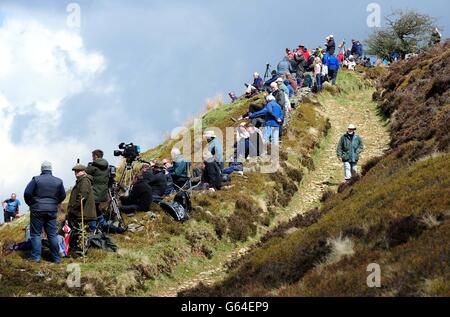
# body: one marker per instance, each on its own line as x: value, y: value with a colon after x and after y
x: 215, y: 147
x: 349, y: 148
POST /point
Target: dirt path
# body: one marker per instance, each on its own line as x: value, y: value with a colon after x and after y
x: 356, y: 108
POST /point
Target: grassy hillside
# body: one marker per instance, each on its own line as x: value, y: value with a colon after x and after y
x: 397, y: 215
x: 165, y: 252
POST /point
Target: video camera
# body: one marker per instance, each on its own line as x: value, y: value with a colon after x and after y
x: 129, y: 151
x: 112, y: 173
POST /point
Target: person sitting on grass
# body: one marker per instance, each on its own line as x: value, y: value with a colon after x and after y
x: 233, y: 96
x: 212, y: 173
x: 157, y: 180
x: 271, y: 80
x: 140, y: 197
x: 250, y: 91
x: 180, y: 168
x: 258, y: 82
x: 290, y: 88
x: 11, y: 208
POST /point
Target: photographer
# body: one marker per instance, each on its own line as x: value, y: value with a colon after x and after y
x: 157, y: 180
x: 140, y: 197
x: 98, y: 169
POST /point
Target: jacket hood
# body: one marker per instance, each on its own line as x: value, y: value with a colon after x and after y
x: 101, y: 164
x: 91, y: 179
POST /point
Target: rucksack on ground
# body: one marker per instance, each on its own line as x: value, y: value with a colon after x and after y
x: 184, y: 199
x: 175, y: 210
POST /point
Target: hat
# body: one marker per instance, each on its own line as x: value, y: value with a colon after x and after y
x: 352, y: 127
x: 79, y: 167
x: 210, y: 134
x: 301, y: 45
x: 279, y: 79
x: 331, y: 36
x: 46, y: 166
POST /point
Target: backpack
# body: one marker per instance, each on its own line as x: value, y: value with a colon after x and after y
x: 175, y: 210
x: 184, y: 200
x: 309, y: 63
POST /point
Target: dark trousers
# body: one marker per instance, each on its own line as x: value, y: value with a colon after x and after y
x: 156, y: 198
x: 8, y: 216
x: 129, y: 209
x: 333, y: 75
x: 46, y: 220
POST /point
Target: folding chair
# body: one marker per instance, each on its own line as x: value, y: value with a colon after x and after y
x: 188, y: 184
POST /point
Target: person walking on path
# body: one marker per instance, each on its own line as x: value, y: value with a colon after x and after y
x: 349, y: 148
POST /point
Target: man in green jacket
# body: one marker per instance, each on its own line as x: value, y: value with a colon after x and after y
x: 82, y: 191
x: 99, y: 170
x: 349, y: 148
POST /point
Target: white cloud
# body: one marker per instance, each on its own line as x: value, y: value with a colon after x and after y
x: 39, y: 69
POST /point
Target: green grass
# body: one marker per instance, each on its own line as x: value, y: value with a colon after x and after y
x: 397, y: 215
x: 165, y: 252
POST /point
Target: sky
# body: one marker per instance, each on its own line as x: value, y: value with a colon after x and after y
x: 133, y: 70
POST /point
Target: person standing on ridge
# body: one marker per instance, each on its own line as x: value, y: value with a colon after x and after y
x: 82, y: 193
x: 349, y: 148
x: 330, y: 44
x: 99, y: 170
x: 43, y: 194
x: 333, y: 65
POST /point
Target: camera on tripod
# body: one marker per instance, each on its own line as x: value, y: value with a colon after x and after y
x: 112, y: 173
x: 129, y: 151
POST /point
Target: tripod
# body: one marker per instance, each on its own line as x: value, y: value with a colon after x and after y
x: 266, y: 74
x: 126, y: 179
x: 113, y: 208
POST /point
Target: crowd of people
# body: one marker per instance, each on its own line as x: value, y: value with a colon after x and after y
x: 260, y: 128
x: 304, y: 68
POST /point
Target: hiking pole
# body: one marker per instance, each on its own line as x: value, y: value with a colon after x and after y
x: 82, y: 230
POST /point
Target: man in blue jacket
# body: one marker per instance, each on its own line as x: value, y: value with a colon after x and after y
x: 333, y: 66
x: 11, y: 208
x: 357, y: 49
x: 273, y: 115
x: 43, y: 194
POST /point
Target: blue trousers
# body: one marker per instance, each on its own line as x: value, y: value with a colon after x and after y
x: 46, y: 220
x: 319, y: 82
x: 272, y: 134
